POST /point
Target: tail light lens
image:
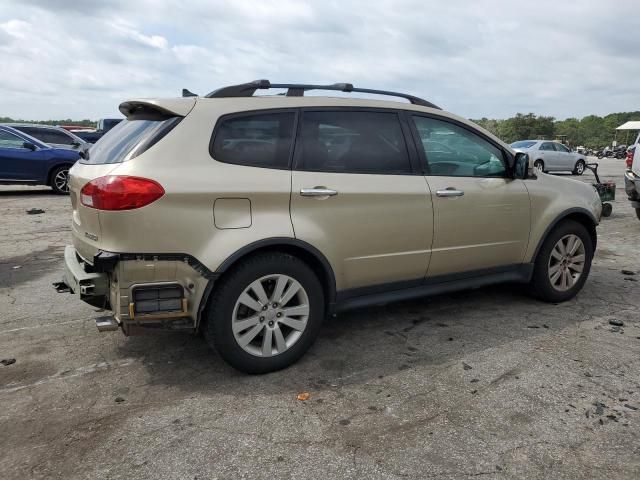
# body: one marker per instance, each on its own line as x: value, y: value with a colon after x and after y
x: 629, y: 160
x: 120, y: 192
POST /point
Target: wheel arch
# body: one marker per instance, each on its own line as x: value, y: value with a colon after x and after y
x: 298, y: 248
x: 580, y: 215
x: 54, y: 167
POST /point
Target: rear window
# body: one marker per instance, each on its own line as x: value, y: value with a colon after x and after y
x: 523, y: 144
x: 129, y: 139
x: 256, y: 140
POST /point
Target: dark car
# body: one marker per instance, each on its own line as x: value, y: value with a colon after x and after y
x: 104, y: 125
x: 56, y: 137
x: 28, y: 161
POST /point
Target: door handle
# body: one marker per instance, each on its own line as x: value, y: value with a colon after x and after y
x: 318, y: 192
x: 449, y: 192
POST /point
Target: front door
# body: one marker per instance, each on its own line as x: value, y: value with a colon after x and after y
x: 16, y: 161
x: 357, y: 199
x: 481, y: 217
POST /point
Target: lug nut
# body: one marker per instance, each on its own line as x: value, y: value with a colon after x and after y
x: 278, y: 314
x: 262, y: 319
x: 264, y: 307
x: 271, y: 323
x: 274, y: 305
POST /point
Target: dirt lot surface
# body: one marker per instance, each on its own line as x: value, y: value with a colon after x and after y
x: 487, y: 382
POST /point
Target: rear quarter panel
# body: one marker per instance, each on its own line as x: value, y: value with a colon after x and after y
x: 182, y: 221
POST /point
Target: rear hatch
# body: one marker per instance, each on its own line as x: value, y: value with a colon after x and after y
x: 147, y: 122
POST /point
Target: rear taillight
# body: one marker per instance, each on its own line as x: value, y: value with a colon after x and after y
x: 120, y: 192
x: 629, y: 160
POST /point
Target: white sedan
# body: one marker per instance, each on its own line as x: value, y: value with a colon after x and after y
x: 551, y: 156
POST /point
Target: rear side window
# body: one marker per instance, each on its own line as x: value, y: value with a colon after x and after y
x: 547, y: 146
x: 352, y: 142
x: 129, y: 139
x: 523, y: 144
x: 48, y: 135
x: 256, y: 140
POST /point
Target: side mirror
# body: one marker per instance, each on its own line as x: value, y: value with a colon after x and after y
x: 29, y: 146
x: 521, y: 166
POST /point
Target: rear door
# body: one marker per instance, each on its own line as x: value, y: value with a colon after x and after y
x: 18, y: 162
x: 481, y: 216
x: 549, y: 156
x: 357, y: 197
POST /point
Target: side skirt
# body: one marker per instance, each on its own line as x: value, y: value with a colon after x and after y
x: 358, y: 298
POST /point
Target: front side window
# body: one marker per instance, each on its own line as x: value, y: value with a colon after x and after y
x: 561, y: 148
x: 9, y: 140
x: 352, y: 142
x: 255, y: 140
x: 451, y: 150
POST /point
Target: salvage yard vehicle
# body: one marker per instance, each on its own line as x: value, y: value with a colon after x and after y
x: 56, y: 137
x: 551, y: 156
x: 250, y: 218
x: 632, y: 176
x: 25, y: 160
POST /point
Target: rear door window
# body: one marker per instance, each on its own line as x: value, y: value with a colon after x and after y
x: 128, y: 139
x: 255, y: 139
x: 352, y: 142
x: 48, y: 135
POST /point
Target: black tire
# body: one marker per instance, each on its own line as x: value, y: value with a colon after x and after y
x: 540, y: 282
x: 607, y: 209
x: 579, y: 168
x: 55, y: 184
x: 218, y: 328
x: 539, y: 165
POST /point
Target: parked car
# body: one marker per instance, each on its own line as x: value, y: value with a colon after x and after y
x: 28, y: 161
x: 103, y: 126
x: 551, y: 156
x: 632, y: 176
x: 55, y: 136
x: 182, y: 220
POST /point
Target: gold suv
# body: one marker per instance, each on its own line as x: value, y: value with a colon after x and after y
x: 250, y: 218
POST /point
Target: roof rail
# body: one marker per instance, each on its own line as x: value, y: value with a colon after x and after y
x: 297, y: 90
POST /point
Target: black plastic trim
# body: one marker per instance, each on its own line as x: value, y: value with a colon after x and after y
x: 558, y: 219
x: 433, y: 286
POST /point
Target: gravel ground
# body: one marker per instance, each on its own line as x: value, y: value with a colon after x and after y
x: 486, y: 382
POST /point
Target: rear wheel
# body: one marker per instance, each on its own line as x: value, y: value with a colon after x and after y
x: 539, y: 166
x: 266, y: 313
x: 579, y: 168
x: 563, y: 263
x: 60, y: 180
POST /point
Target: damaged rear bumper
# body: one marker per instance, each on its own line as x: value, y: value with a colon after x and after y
x: 161, y: 292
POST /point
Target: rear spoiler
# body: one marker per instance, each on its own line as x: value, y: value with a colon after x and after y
x: 157, y: 108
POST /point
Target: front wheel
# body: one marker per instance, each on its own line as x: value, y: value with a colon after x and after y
x: 266, y: 313
x: 579, y: 168
x: 60, y: 180
x: 563, y: 263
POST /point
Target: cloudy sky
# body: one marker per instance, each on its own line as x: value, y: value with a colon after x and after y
x: 81, y: 58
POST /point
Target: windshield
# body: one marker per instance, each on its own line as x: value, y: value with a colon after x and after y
x: 127, y: 140
x: 523, y: 144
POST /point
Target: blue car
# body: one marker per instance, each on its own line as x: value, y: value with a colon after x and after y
x: 25, y: 160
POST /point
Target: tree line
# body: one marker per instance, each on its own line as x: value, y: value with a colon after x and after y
x: 66, y: 121
x: 591, y: 131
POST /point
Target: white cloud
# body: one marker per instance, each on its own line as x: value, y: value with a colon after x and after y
x: 486, y: 58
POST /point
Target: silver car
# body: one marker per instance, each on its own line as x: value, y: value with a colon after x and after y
x: 551, y: 156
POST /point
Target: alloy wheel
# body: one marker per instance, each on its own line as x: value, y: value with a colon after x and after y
x: 61, y: 181
x: 270, y: 315
x: 566, y: 262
